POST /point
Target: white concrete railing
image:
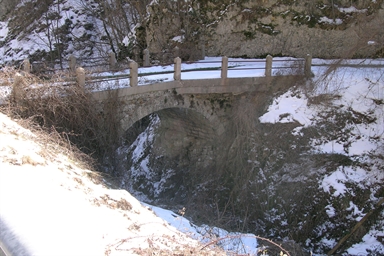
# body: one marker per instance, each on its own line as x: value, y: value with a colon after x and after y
x: 134, y: 73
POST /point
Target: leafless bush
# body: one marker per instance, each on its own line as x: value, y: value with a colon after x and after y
x: 55, y: 143
x: 294, y: 68
x: 64, y: 110
x: 234, y: 237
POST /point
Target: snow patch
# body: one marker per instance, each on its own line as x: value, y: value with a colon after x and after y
x: 289, y: 108
x: 369, y: 244
x: 179, y: 39
x: 3, y: 30
x: 331, y: 21
x: 334, y: 183
x: 126, y: 41
x: 330, y: 210
x: 352, y: 9
x: 243, y: 244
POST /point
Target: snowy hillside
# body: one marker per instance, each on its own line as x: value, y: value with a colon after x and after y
x: 55, y: 31
x: 51, y: 205
x: 357, y: 95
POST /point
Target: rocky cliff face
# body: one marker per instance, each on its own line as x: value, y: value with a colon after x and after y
x: 6, y: 6
x: 325, y: 29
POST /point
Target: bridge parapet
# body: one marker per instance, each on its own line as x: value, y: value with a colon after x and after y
x: 225, y: 68
x: 134, y: 74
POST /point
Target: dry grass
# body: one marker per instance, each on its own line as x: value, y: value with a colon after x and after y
x: 176, y: 246
x: 51, y: 145
x: 65, y: 111
x: 112, y: 203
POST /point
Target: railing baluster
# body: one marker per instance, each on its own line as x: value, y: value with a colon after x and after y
x: 72, y: 63
x: 80, y: 76
x: 268, y: 66
x: 177, y: 74
x: 146, y: 58
x: 224, y: 70
x: 134, y: 73
x: 307, y: 66
x: 27, y: 66
x: 112, y: 60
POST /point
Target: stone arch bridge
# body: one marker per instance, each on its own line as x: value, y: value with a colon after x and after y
x: 212, y: 99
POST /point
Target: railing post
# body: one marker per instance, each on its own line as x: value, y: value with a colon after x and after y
x: 224, y: 70
x: 17, y: 94
x: 136, y: 53
x: 146, y: 58
x: 26, y: 66
x: 176, y: 52
x: 307, y: 66
x: 80, y: 76
x: 202, y: 44
x: 134, y: 73
x: 268, y: 66
x: 177, y: 74
x: 112, y: 60
x: 72, y: 63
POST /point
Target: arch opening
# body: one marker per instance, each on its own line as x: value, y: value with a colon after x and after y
x: 161, y: 152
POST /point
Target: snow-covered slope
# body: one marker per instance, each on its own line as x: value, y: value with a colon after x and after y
x: 347, y: 109
x: 62, y: 28
x: 50, y: 205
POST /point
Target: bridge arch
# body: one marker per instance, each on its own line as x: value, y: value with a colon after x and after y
x: 212, y: 107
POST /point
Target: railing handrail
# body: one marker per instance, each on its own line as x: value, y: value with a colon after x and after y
x: 226, y: 64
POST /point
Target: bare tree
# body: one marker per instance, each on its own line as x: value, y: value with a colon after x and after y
x: 118, y: 17
x: 53, y: 29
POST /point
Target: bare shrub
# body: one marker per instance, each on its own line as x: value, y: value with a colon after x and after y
x: 64, y: 110
x: 52, y: 144
x: 294, y: 68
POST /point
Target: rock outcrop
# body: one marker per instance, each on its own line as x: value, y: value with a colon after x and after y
x: 258, y: 28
